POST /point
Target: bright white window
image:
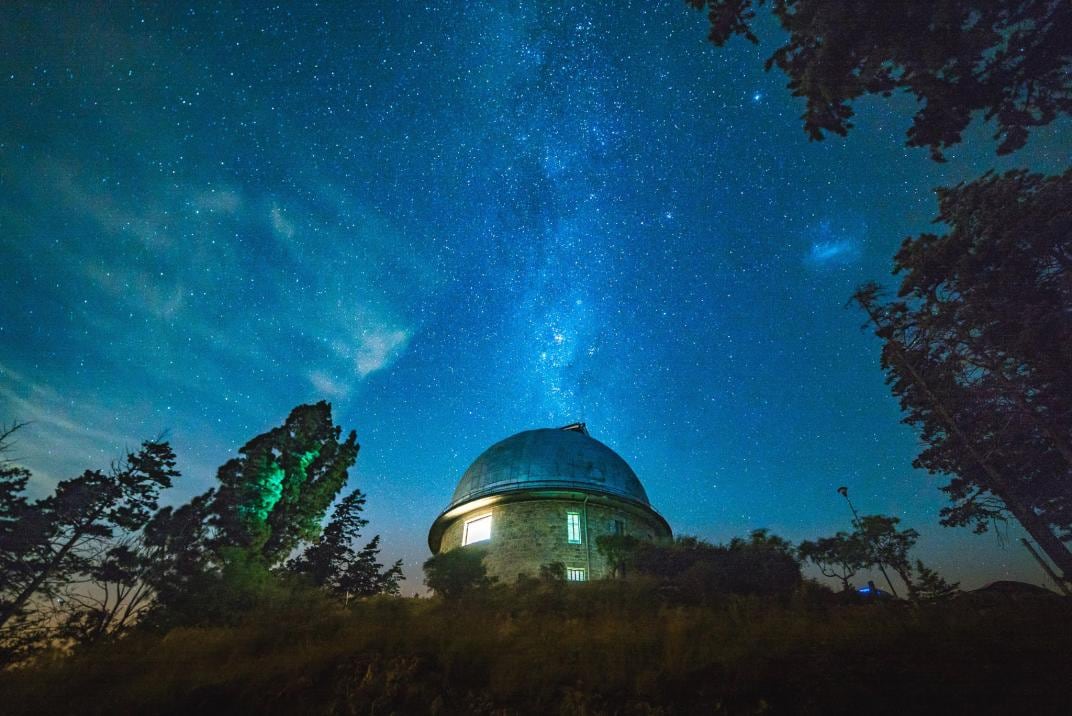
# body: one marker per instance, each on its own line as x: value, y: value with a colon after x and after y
x: 574, y: 574
x: 478, y: 530
x: 573, y: 527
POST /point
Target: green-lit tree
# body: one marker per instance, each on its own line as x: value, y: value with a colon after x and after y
x: 276, y: 494
x: 333, y: 563
x: 1009, y: 61
x: 977, y: 344
x: 226, y: 551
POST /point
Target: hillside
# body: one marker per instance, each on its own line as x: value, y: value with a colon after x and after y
x: 599, y: 648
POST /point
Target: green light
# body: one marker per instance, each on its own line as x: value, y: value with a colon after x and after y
x: 270, y: 484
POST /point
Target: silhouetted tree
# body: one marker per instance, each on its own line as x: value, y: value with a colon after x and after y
x: 698, y: 570
x: 977, y: 346
x: 928, y: 586
x: 1007, y: 60
x: 839, y: 557
x: 619, y: 551
x: 183, y: 570
x: 332, y: 562
x: 887, y: 546
x: 72, y: 536
x: 111, y: 596
x: 451, y: 574
x: 553, y: 572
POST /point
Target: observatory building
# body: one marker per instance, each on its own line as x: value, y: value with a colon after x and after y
x: 545, y: 496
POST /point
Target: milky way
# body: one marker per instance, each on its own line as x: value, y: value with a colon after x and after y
x: 456, y: 223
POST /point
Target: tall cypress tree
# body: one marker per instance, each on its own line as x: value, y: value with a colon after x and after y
x: 275, y: 495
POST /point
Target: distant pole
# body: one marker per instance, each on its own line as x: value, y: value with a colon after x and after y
x: 844, y: 492
x: 1046, y: 568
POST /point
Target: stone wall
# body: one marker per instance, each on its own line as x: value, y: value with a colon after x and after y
x: 528, y: 534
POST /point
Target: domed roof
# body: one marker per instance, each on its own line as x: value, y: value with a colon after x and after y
x: 550, y: 458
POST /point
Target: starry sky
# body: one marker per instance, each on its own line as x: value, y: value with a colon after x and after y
x: 456, y: 221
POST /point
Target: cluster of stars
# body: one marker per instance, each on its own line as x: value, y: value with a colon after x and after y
x: 455, y: 222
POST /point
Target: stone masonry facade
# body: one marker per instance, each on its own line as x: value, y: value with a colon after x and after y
x: 530, y: 533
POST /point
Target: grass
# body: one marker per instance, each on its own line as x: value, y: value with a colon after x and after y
x: 614, y: 648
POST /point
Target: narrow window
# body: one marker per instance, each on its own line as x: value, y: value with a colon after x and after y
x: 478, y: 530
x: 619, y: 527
x: 574, y: 574
x: 573, y: 527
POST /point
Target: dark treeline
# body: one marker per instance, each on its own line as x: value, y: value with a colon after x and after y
x: 98, y: 558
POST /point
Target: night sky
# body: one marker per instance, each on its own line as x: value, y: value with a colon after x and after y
x: 456, y: 221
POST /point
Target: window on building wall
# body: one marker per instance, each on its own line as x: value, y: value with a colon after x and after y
x: 477, y: 530
x: 618, y: 527
x: 574, y: 574
x: 573, y: 527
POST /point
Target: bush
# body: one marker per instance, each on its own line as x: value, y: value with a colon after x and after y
x: 451, y: 574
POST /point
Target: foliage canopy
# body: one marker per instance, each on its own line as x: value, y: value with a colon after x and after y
x: 977, y: 344
x: 1008, y: 60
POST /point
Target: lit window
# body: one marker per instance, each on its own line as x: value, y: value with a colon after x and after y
x: 573, y: 527
x: 478, y: 530
x: 574, y: 574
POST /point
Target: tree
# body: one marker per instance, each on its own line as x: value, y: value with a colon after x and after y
x: 178, y: 563
x: 619, y: 551
x: 762, y: 564
x: 14, y: 510
x: 60, y: 538
x: 839, y: 557
x: 699, y: 570
x: 226, y: 551
x: 16, y: 639
x: 275, y: 495
x: 112, y: 594
x: 331, y: 562
x: 452, y: 574
x: 929, y: 585
x: 1008, y: 60
x: 887, y: 546
x: 977, y: 345
x: 553, y: 572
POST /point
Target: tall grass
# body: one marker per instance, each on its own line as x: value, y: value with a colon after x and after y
x: 562, y: 648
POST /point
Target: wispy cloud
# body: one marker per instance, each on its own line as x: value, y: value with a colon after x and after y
x: 204, y: 299
x: 63, y: 430
x: 282, y: 227
x: 379, y: 348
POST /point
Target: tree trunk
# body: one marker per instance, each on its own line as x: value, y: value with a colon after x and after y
x: 28, y: 591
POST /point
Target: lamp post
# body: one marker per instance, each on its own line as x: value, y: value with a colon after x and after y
x: 844, y: 492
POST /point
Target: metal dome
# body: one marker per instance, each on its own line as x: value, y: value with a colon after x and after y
x: 549, y: 458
